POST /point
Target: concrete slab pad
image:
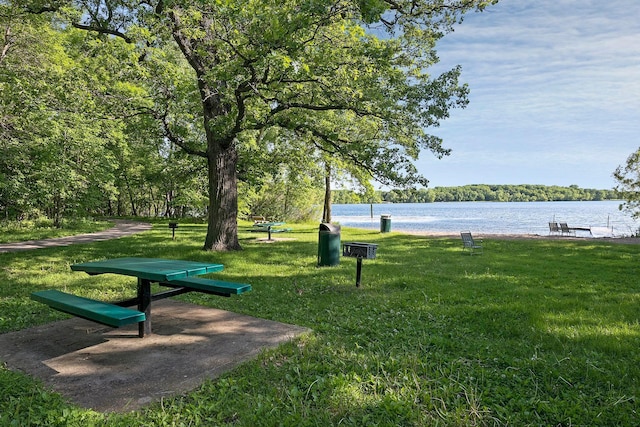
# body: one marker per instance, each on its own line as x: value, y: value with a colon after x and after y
x: 112, y: 370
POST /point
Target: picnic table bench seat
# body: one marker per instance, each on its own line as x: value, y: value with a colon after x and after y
x: 210, y: 286
x: 97, y: 311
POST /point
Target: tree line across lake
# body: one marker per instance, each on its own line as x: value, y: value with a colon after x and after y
x: 478, y: 193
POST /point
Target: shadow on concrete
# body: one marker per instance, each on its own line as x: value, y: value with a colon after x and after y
x: 112, y: 370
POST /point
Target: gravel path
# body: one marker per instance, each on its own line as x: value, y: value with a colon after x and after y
x: 121, y: 228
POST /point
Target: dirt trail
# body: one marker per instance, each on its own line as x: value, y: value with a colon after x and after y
x: 120, y: 229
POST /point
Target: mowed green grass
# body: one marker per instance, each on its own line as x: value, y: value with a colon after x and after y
x: 532, y: 332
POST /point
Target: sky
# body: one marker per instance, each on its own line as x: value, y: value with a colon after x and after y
x: 555, y: 94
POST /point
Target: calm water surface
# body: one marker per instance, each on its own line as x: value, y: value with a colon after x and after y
x: 603, y: 217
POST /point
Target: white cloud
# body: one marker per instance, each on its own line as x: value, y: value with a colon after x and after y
x: 551, y: 80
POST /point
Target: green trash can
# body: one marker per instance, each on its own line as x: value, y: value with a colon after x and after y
x: 328, y: 245
x: 385, y: 223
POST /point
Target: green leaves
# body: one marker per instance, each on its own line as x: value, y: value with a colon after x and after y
x: 303, y: 66
x: 628, y: 179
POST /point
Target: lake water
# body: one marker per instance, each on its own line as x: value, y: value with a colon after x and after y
x: 603, y: 217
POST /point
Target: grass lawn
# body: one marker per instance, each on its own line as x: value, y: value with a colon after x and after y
x: 532, y: 332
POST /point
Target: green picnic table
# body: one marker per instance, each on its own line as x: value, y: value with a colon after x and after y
x: 178, y: 275
x: 269, y: 227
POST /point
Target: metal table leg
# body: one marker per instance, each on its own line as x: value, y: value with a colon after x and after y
x: 144, y: 305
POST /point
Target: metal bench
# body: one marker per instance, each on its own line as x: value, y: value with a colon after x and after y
x: 97, y: 311
x: 470, y: 244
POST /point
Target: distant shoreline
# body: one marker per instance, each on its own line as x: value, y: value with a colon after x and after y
x: 511, y: 236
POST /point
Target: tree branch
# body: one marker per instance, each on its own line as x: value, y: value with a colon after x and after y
x: 175, y: 139
x: 102, y: 30
x: 7, y: 43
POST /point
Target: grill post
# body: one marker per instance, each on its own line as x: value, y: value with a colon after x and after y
x: 173, y: 226
x: 358, y: 272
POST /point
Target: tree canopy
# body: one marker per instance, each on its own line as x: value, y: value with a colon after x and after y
x: 347, y: 78
x: 628, y: 187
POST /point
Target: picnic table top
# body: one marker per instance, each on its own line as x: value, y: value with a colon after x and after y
x: 269, y: 224
x: 155, y: 269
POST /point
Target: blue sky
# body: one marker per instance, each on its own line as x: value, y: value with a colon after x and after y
x: 555, y: 94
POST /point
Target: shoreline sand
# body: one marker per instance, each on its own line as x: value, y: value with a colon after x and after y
x: 619, y: 240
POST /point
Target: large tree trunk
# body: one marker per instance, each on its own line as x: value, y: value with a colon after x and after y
x: 222, y: 229
x: 221, y: 153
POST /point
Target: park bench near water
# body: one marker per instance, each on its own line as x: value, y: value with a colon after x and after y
x: 565, y: 230
x: 470, y: 244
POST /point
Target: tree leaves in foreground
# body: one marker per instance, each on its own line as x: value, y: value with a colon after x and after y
x: 79, y: 134
x: 52, y: 156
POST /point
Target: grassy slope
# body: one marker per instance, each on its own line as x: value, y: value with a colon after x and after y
x: 532, y: 332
